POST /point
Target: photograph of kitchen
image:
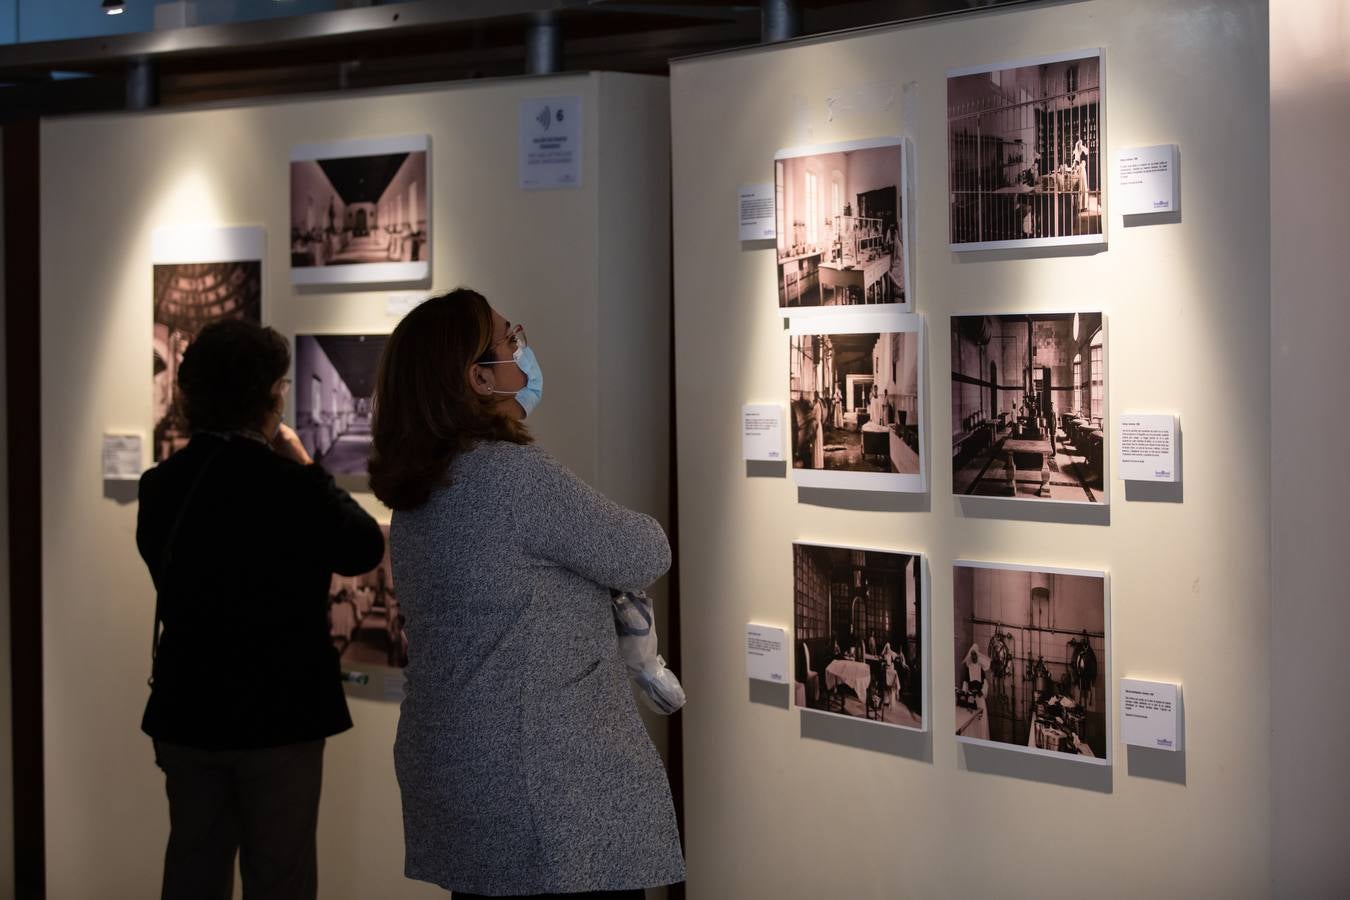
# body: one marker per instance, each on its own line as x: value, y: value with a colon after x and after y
x: 334, y: 389
x: 1024, y: 152
x: 188, y: 297
x: 359, y: 211
x: 858, y: 624
x: 364, y: 620
x: 840, y: 214
x: 1031, y: 658
x: 854, y: 402
x: 1029, y: 406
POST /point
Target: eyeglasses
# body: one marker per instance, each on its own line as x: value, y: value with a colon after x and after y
x: 514, y: 338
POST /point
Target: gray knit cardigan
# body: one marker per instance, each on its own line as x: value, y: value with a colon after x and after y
x: 522, y: 762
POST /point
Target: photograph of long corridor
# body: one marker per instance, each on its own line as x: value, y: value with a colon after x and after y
x: 1029, y: 406
x: 334, y: 385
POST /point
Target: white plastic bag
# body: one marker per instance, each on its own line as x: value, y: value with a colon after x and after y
x: 636, y: 629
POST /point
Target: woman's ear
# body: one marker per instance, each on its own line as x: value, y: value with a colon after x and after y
x: 478, y: 380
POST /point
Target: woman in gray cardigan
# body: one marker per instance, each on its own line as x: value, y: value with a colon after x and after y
x: 524, y: 767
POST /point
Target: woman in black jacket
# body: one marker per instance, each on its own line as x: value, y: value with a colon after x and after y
x: 241, y: 533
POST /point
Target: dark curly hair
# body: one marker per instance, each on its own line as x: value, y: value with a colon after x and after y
x: 425, y: 412
x: 227, y: 374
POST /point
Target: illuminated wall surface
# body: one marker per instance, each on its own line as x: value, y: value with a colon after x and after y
x: 54, y: 20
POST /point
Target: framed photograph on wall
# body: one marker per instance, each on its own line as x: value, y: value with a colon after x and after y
x: 200, y: 276
x: 1025, y: 152
x: 1032, y: 659
x: 365, y: 622
x: 334, y: 392
x: 856, y: 402
x: 361, y: 211
x: 860, y: 626
x: 842, y: 214
x: 1029, y: 407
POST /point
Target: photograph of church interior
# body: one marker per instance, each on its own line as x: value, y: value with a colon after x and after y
x: 1030, y: 654
x: 364, y: 618
x: 334, y: 390
x: 1029, y: 406
x: 359, y: 209
x: 840, y: 234
x: 857, y: 622
x: 188, y: 297
x: 855, y: 401
x: 1024, y: 152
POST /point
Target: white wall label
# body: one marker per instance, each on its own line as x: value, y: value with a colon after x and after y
x: 550, y: 143
x: 1148, y: 448
x: 766, y: 653
x: 762, y: 437
x: 754, y: 206
x: 1146, y: 180
x: 123, y: 458
x: 1150, y: 715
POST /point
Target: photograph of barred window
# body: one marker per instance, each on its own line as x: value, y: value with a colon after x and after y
x: 859, y: 621
x: 1031, y: 647
x: 364, y: 619
x: 1024, y: 144
x: 855, y: 402
x: 1029, y: 407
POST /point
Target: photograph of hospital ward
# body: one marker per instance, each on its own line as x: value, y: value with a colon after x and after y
x: 1024, y: 152
x: 854, y: 400
x: 840, y: 235
x: 364, y: 619
x: 188, y: 297
x: 857, y: 623
x: 1030, y: 654
x: 359, y: 209
x: 334, y: 392
x: 1029, y: 406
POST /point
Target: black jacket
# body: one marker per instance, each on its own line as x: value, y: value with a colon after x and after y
x: 245, y: 660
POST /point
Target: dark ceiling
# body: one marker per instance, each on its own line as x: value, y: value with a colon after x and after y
x: 356, y: 358
x: 405, y: 43
x: 362, y: 179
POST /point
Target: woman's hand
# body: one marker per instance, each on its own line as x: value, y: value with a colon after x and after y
x: 287, y: 443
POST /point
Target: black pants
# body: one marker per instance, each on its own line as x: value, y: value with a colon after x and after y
x: 636, y: 894
x: 262, y: 803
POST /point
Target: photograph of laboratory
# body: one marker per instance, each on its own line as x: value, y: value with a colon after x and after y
x: 1031, y: 658
x: 364, y: 618
x: 841, y: 234
x: 855, y: 400
x: 359, y: 210
x: 858, y: 620
x: 334, y: 389
x: 1024, y: 152
x: 188, y: 297
x: 1029, y: 406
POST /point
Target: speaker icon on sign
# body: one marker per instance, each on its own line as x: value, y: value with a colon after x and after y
x: 545, y: 118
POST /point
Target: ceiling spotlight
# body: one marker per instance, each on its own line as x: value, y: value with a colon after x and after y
x: 114, y: 7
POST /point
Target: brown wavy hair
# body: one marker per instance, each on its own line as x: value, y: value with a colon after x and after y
x: 425, y: 412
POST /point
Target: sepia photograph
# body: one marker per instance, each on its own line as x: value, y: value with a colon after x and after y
x: 1025, y: 152
x: 364, y: 620
x: 334, y: 391
x: 199, y: 276
x: 841, y: 218
x: 859, y: 620
x: 1031, y: 659
x: 360, y: 211
x: 1029, y: 407
x: 855, y: 402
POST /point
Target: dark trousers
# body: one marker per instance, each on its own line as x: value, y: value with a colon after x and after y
x: 262, y: 803
x: 637, y: 894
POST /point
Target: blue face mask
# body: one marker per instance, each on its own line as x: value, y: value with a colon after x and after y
x: 529, y: 396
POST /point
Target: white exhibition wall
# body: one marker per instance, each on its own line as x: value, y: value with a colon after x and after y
x: 586, y: 270
x: 783, y: 804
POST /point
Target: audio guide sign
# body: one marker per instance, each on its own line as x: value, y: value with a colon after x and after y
x: 550, y: 143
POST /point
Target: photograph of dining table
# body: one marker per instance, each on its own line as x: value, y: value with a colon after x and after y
x: 859, y: 626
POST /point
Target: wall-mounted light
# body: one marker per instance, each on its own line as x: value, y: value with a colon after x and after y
x: 114, y: 7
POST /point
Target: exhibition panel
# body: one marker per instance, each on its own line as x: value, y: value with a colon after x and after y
x: 1016, y: 266
x: 373, y: 201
